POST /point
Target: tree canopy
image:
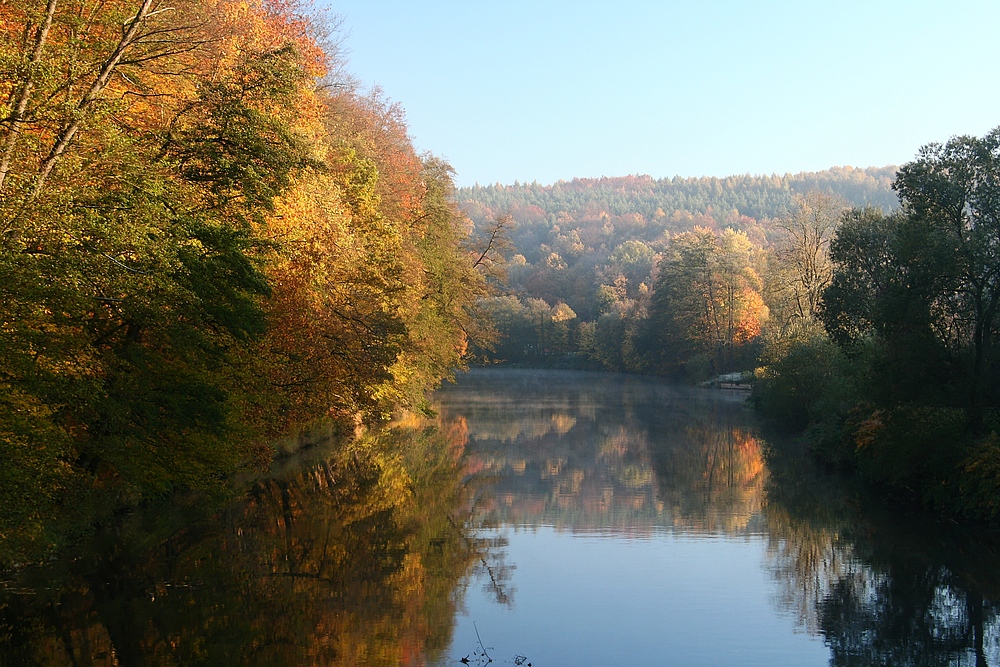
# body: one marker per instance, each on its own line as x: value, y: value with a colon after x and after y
x: 208, y: 237
x: 909, y: 391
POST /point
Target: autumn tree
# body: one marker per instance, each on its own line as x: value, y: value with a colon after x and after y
x: 800, y: 267
x: 706, y: 301
x: 202, y: 245
x: 142, y: 147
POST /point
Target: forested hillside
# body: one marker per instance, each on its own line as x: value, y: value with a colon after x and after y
x: 584, y: 255
x: 757, y: 197
x: 208, y: 237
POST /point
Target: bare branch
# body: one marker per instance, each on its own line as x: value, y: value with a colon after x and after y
x: 129, y: 35
x: 22, y: 100
x: 499, y: 225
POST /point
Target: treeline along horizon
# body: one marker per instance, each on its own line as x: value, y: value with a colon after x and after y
x: 586, y: 255
x: 753, y: 196
x: 209, y: 236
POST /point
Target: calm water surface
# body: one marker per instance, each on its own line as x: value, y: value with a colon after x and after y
x: 644, y: 525
x: 542, y: 517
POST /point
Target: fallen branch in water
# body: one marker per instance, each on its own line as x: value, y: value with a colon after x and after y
x: 483, y: 648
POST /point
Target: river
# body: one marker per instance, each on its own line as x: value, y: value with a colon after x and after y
x: 542, y: 518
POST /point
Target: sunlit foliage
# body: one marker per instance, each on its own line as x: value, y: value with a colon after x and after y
x: 601, y: 246
x: 207, y: 237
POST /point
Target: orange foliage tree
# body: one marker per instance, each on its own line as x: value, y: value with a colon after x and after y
x: 202, y: 244
x: 706, y: 303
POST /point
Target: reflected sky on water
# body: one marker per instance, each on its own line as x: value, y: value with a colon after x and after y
x: 643, y: 523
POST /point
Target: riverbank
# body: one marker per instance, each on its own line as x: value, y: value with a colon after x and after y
x: 931, y: 456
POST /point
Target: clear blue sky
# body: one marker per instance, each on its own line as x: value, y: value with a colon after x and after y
x: 553, y: 90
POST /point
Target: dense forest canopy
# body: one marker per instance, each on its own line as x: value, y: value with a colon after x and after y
x: 208, y: 237
x: 757, y: 197
x: 584, y: 257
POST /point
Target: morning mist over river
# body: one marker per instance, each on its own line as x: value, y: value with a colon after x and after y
x: 556, y: 518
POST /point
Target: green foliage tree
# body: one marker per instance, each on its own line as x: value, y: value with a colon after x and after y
x: 912, y: 303
x: 951, y: 192
x: 683, y: 315
x: 885, y: 306
x: 706, y: 302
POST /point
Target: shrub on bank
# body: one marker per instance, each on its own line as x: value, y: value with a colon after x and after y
x: 800, y: 376
x: 923, y: 452
x: 912, y: 448
x: 979, y: 480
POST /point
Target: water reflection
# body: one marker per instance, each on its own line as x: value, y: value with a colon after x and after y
x: 354, y: 559
x: 626, y: 457
x: 641, y: 519
x: 882, y: 586
x: 609, y: 453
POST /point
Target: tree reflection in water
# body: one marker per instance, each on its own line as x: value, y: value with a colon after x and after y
x: 610, y: 453
x: 883, y: 586
x: 362, y: 557
x: 629, y: 455
x: 358, y: 558
x: 710, y: 467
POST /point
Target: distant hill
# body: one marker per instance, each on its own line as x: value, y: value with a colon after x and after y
x: 581, y: 247
x: 757, y: 197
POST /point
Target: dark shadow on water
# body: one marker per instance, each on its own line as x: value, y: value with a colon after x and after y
x: 882, y: 584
